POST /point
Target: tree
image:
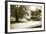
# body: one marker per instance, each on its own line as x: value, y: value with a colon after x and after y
x: 36, y: 13
x: 18, y: 11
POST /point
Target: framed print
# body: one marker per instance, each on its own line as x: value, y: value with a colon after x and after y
x: 22, y: 16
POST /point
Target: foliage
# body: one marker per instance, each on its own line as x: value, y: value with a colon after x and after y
x: 36, y: 13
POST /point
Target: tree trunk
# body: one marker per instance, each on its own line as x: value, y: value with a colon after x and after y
x: 17, y: 19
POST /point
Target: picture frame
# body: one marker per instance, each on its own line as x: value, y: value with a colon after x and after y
x: 23, y: 28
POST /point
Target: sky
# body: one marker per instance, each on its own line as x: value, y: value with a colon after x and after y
x: 33, y: 8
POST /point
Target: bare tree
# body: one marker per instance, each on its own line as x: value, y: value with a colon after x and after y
x: 18, y: 11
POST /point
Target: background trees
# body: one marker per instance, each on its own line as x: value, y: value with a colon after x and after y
x: 36, y: 15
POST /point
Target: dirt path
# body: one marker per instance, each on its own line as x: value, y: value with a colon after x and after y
x: 25, y: 25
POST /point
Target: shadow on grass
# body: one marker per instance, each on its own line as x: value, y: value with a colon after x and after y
x: 36, y: 18
x: 13, y: 22
x: 36, y: 26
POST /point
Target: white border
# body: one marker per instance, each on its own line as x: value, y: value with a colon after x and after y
x: 18, y: 30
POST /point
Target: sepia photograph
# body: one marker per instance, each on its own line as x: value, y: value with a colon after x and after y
x: 25, y: 16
